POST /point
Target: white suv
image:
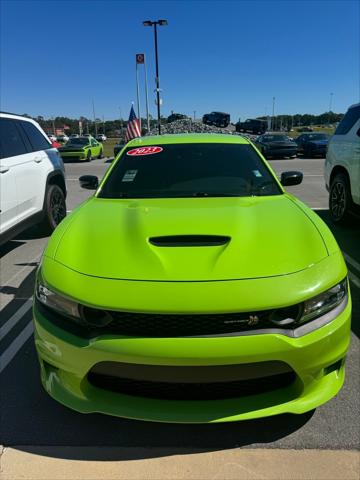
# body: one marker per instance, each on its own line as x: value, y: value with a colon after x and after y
x: 342, y: 167
x: 32, y: 178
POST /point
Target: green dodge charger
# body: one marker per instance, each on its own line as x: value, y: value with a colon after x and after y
x: 82, y: 148
x: 192, y: 288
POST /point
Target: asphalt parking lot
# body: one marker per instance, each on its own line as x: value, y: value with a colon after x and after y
x: 30, y: 418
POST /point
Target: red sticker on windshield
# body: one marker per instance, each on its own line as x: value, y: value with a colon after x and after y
x: 135, y: 152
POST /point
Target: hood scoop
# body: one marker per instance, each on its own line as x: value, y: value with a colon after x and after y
x: 189, y: 241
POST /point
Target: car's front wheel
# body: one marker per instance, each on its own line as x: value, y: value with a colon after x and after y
x: 100, y: 154
x: 340, y: 199
x: 54, y: 208
x: 88, y: 156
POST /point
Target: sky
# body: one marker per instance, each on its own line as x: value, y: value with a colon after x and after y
x: 57, y: 57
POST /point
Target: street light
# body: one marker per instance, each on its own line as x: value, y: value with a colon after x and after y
x: 162, y: 23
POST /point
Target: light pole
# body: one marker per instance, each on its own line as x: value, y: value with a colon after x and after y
x: 330, y: 105
x: 94, y: 117
x: 150, y: 23
x: 273, y: 111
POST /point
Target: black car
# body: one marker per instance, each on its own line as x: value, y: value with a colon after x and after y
x: 219, y: 119
x: 253, y: 125
x: 176, y: 116
x: 276, y: 145
x: 312, y: 144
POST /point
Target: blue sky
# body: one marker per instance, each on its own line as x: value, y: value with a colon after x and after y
x: 232, y: 56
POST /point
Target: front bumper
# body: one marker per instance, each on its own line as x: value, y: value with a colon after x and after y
x: 280, y: 152
x: 316, y: 358
x: 73, y: 154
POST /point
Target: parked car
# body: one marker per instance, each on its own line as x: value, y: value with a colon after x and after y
x: 312, y: 144
x: 82, y: 148
x: 101, y: 137
x: 253, y: 125
x: 304, y: 129
x: 342, y: 167
x: 176, y: 116
x: 74, y: 135
x: 192, y: 288
x: 62, y: 138
x: 276, y: 145
x: 219, y: 119
x: 32, y: 178
x: 117, y: 148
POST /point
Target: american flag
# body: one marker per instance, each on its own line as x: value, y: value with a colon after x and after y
x: 133, y: 126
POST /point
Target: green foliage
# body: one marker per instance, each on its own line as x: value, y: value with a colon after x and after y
x: 306, y: 119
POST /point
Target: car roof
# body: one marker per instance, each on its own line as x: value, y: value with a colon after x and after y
x: 188, y: 138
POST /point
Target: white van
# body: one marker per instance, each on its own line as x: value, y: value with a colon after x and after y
x: 342, y: 167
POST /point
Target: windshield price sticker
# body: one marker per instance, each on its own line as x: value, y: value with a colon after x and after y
x: 135, y: 152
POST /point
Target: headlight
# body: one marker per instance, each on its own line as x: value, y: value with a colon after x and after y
x: 56, y: 302
x: 324, y: 303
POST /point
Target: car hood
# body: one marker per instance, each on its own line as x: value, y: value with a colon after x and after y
x: 319, y: 142
x: 72, y: 147
x: 267, y: 236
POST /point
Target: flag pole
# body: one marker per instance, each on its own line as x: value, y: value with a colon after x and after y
x: 138, y: 94
x: 147, y: 99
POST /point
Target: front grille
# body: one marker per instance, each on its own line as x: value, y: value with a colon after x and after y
x: 190, y: 390
x: 169, y: 325
x: 97, y: 322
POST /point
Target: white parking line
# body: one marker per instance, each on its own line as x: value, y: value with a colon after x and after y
x: 5, y: 329
x: 15, y: 346
x: 36, y: 259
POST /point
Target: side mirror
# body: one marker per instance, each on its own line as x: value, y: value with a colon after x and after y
x: 291, y: 178
x: 90, y: 182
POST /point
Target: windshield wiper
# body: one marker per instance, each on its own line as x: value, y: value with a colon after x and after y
x: 216, y: 194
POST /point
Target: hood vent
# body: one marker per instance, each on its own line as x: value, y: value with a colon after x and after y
x: 189, y: 241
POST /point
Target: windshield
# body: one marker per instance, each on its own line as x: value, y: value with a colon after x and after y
x: 190, y: 170
x: 78, y: 141
x: 274, y: 138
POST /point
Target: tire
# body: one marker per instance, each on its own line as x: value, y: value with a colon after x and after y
x: 100, y: 154
x: 340, y: 201
x: 54, y: 209
x: 88, y: 156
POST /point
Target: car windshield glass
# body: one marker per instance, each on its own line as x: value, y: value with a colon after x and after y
x: 78, y: 141
x: 275, y: 138
x: 189, y: 170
